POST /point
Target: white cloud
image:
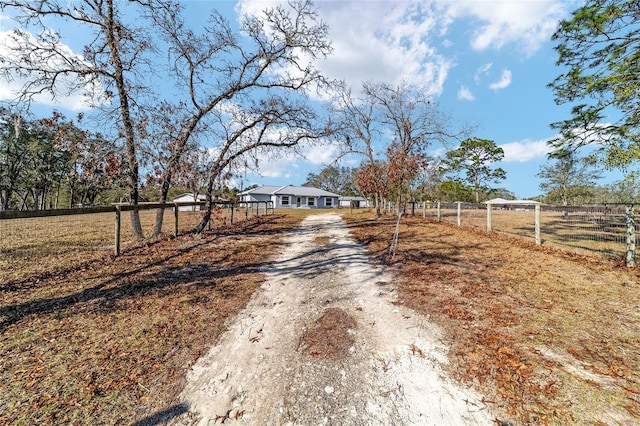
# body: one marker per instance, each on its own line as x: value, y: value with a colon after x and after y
x: 465, y: 94
x: 504, y: 82
x: 526, y: 150
x: 66, y: 96
x: 278, y: 167
x: 283, y: 163
x: 380, y: 41
x: 500, y: 22
x: 320, y: 154
x: 482, y: 70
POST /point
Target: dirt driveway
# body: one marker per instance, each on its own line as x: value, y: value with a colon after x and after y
x: 323, y: 343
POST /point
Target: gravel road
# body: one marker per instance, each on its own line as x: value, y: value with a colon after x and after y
x: 324, y: 343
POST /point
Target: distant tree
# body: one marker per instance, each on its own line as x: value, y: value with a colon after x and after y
x: 452, y: 190
x: 501, y: 193
x: 52, y: 162
x: 569, y: 178
x: 336, y: 179
x: 598, y: 47
x: 626, y: 190
x: 473, y: 158
x: 92, y: 163
x: 426, y: 185
x: 13, y: 154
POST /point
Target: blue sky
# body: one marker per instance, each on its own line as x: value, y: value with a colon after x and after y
x: 488, y: 62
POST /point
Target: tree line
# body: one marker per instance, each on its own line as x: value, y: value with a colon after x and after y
x: 52, y: 163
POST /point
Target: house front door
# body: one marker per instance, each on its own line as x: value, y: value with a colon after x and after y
x: 299, y: 201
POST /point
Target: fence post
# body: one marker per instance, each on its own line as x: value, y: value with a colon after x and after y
x: 117, y: 231
x: 175, y: 214
x: 537, y: 226
x: 459, y: 213
x: 439, y: 212
x: 424, y: 209
x: 232, y: 205
x: 631, y: 238
x: 489, y: 208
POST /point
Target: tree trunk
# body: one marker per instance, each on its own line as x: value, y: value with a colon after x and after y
x: 378, y: 201
x: 125, y: 110
x: 164, y: 192
x: 207, y: 216
x: 396, y: 234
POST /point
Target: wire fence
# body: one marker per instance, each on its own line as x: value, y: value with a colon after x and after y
x: 38, y: 242
x: 609, y: 230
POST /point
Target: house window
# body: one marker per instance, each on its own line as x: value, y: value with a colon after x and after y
x: 328, y: 202
x: 311, y: 201
x: 285, y: 200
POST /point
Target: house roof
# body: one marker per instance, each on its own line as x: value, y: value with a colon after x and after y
x: 298, y: 191
x: 262, y: 190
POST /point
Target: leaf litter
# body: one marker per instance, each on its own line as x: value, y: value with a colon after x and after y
x: 548, y: 337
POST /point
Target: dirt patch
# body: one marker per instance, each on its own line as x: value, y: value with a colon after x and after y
x: 331, y: 336
x: 323, y: 342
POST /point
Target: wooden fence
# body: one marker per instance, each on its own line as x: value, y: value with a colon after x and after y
x: 610, y: 229
x: 245, y: 208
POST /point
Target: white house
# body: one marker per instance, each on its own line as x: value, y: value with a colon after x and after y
x: 189, y: 198
x: 292, y: 196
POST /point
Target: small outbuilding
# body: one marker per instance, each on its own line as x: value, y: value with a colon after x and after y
x: 354, y: 202
x: 189, y: 198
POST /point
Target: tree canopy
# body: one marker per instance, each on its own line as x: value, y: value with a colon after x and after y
x: 53, y: 163
x: 473, y: 157
x: 336, y: 179
x: 599, y: 50
x: 391, y: 128
x: 568, y: 178
x: 242, y: 92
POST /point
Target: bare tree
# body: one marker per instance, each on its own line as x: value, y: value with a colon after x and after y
x: 241, y: 89
x: 110, y: 68
x: 357, y: 118
x: 410, y: 115
x: 247, y: 91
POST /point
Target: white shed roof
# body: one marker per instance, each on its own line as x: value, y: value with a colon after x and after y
x: 190, y: 197
x: 503, y: 201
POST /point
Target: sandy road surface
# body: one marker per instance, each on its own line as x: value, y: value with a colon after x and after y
x: 322, y: 343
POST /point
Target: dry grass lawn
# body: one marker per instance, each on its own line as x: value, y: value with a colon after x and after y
x: 548, y: 337
x: 109, y: 341
x: 51, y: 244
